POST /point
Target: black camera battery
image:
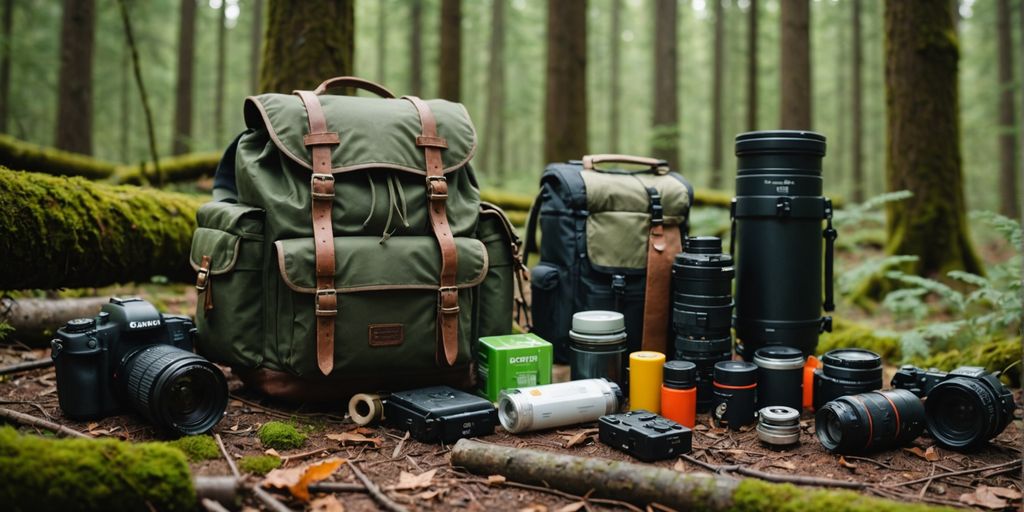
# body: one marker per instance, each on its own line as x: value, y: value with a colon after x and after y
x: 440, y: 414
x: 644, y: 435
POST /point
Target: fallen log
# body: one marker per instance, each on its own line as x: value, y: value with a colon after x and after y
x: 646, y: 484
x: 58, y: 232
x: 35, y: 320
x: 175, y: 169
x: 24, y: 156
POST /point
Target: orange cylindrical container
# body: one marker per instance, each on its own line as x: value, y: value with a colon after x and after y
x: 812, y: 364
x: 679, y: 393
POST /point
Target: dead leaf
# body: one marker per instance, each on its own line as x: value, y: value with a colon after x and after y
x: 1007, y: 493
x: 297, y: 480
x: 429, y: 495
x: 985, y: 498
x: 92, y: 426
x: 271, y: 451
x: 408, y: 480
x: 846, y: 464
x: 364, y: 430
x: 328, y: 503
x: 572, y: 507
x: 782, y: 464
x: 534, y: 508
x: 580, y: 437
x: 234, y: 428
x: 495, y: 480
x: 353, y: 438
x: 931, y: 454
x: 679, y: 466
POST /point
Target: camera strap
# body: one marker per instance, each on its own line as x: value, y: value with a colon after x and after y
x: 662, y: 246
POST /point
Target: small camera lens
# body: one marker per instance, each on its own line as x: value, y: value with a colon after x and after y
x: 176, y: 389
x: 964, y: 412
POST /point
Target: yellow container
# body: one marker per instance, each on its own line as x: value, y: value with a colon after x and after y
x: 645, y: 376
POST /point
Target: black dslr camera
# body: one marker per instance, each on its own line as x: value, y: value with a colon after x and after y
x: 131, y: 355
x: 964, y: 408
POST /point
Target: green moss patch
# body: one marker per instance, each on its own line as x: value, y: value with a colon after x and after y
x: 846, y: 334
x: 755, y: 496
x: 86, y: 474
x: 280, y: 436
x: 259, y: 464
x: 994, y: 356
x: 197, y: 448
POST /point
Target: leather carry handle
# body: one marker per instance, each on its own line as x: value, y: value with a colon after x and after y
x: 657, y: 166
x: 351, y: 81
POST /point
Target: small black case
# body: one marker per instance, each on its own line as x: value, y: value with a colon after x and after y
x: 644, y: 435
x: 440, y: 414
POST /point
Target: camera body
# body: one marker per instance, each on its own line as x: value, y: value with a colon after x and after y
x: 90, y: 354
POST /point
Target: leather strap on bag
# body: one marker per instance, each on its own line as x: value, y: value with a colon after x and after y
x: 437, y: 197
x: 321, y: 184
x: 662, y: 246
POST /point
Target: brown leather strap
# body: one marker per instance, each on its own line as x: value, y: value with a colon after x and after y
x: 321, y: 184
x: 662, y: 247
x: 204, y: 285
x: 437, y: 196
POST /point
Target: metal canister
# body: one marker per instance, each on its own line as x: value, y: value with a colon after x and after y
x: 597, y: 346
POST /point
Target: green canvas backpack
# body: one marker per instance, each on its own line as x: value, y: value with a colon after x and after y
x: 358, y: 255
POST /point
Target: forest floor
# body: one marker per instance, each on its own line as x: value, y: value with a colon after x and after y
x: 888, y: 474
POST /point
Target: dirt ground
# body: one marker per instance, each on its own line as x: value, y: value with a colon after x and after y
x: 34, y: 393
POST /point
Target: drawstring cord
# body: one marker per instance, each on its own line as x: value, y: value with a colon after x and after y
x: 396, y: 203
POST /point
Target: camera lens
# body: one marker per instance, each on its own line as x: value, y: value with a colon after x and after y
x: 702, y: 296
x: 780, y: 372
x: 877, y: 420
x: 847, y: 371
x: 704, y: 354
x: 965, y: 412
x: 175, y: 389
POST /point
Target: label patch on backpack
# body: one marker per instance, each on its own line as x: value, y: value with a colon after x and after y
x: 386, y: 335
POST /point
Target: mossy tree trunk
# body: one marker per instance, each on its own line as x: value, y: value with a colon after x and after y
x: 795, y: 69
x: 183, y: 85
x: 449, y: 72
x: 495, y: 114
x: 306, y: 43
x: 74, y: 84
x: 255, y: 46
x: 69, y: 232
x: 665, y: 129
x: 923, y: 120
x: 565, y: 109
x: 1009, y: 191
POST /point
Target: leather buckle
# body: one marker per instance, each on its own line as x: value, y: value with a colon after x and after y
x: 441, y: 190
x: 326, y: 302
x: 446, y: 293
x: 322, y: 186
x: 203, y: 275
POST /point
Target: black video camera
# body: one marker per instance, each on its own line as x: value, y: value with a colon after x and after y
x: 964, y: 408
x: 132, y: 355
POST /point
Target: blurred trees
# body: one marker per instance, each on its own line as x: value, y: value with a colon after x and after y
x: 183, y: 87
x: 665, y: 139
x: 74, y: 84
x: 306, y: 43
x: 450, y: 63
x: 565, y: 111
x: 717, y: 75
x: 795, y: 65
x: 1009, y: 192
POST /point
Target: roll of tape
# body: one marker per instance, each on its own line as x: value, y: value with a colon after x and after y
x: 366, y: 408
x: 645, y: 377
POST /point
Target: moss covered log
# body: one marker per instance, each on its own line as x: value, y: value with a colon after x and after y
x: 25, y: 156
x: 175, y: 169
x: 60, y: 232
x: 645, y: 484
x: 86, y: 474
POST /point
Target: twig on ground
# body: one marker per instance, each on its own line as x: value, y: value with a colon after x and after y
x: 873, y: 461
x: 569, y: 496
x: 213, y: 506
x: 336, y: 487
x: 1005, y: 465
x: 285, y: 459
x: 928, y: 483
x: 414, y: 463
x: 269, y: 500
x: 401, y: 444
x: 773, y: 477
x: 227, y: 456
x: 375, y: 491
x: 45, y: 362
x: 27, y: 419
x: 26, y: 402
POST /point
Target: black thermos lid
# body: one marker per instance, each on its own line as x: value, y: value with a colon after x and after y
x: 735, y: 373
x: 680, y: 374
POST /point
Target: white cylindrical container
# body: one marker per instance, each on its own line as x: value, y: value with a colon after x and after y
x: 557, y: 405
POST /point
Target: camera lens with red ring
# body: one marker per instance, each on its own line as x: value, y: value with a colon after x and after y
x: 877, y: 420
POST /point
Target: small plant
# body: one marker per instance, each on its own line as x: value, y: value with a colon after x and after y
x: 197, y: 448
x: 259, y: 464
x: 280, y: 436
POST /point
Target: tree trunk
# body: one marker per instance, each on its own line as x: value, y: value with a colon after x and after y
x: 1009, y: 193
x: 72, y: 233
x: 143, y: 98
x: 665, y: 130
x: 615, y: 79
x: 565, y: 106
x: 495, y: 117
x: 256, y: 41
x: 183, y: 95
x: 35, y: 320
x: 752, y: 66
x: 289, y: 61
x: 450, y: 70
x: 795, y: 72
x: 24, y: 156
x: 416, y: 47
x: 857, y: 138
x: 644, y: 484
x: 5, y: 64
x: 923, y: 118
x: 222, y: 50
x: 74, y: 84
x: 126, y: 104
x: 718, y: 69
x: 382, y: 41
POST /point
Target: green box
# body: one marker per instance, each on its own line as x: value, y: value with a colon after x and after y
x: 512, y: 361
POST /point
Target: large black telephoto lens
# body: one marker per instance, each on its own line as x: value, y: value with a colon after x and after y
x: 878, y: 420
x: 778, y: 235
x: 175, y: 389
x: 702, y: 309
x: 966, y: 411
